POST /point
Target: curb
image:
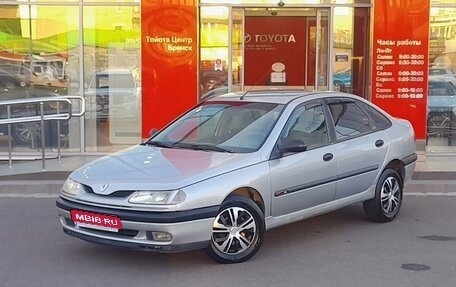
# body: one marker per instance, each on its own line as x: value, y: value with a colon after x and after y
x: 37, y: 176
x: 434, y: 175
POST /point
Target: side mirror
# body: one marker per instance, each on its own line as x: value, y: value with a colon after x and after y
x: 292, y: 145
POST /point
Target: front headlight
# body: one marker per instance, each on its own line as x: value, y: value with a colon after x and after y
x: 158, y: 197
x: 72, y: 187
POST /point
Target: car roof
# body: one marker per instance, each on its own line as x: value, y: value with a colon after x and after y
x: 279, y: 96
x: 439, y: 78
x: 442, y: 69
x: 442, y: 78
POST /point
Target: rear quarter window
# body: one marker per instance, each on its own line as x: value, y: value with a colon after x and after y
x: 353, y: 118
x: 377, y: 119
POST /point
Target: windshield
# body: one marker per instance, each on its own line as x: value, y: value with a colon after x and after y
x: 221, y: 126
x: 441, y: 89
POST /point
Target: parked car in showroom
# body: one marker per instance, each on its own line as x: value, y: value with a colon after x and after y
x: 115, y: 88
x: 237, y: 165
x: 343, y: 80
x: 26, y: 134
x: 447, y: 72
x: 114, y: 99
x: 441, y: 118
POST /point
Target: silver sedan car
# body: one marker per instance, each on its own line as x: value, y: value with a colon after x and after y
x: 237, y: 165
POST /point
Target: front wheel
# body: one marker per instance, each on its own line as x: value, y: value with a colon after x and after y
x: 237, y: 232
x: 385, y: 206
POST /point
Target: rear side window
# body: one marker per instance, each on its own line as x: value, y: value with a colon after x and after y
x: 349, y: 119
x: 378, y: 120
x: 353, y: 118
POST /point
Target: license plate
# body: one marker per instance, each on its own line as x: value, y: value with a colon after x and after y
x: 96, y: 220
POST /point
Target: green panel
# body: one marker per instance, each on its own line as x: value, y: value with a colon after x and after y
x: 66, y: 41
x: 10, y: 26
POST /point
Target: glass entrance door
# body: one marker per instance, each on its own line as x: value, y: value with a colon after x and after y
x: 261, y: 48
x: 286, y: 48
x: 318, y: 46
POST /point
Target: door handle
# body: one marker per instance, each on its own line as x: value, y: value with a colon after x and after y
x: 379, y: 143
x: 328, y: 157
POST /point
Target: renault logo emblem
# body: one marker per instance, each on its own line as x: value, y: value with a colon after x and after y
x: 104, y: 186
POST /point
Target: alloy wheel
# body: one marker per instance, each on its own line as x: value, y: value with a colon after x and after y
x: 234, y: 230
x: 390, y: 195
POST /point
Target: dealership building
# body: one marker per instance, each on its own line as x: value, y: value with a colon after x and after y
x: 140, y: 63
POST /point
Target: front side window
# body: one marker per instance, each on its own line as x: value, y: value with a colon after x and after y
x: 221, y: 126
x: 307, y: 124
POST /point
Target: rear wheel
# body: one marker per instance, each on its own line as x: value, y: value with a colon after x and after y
x: 438, y: 125
x: 237, y: 232
x: 386, y: 204
x: 24, y: 133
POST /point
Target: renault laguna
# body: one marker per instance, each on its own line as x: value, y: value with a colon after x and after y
x: 237, y: 165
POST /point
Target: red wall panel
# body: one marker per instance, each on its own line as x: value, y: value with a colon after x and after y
x: 274, y: 39
x: 169, y: 61
x: 400, y: 60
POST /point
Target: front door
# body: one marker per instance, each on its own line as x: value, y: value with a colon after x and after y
x: 306, y: 179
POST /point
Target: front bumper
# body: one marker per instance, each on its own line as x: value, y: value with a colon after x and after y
x: 189, y: 229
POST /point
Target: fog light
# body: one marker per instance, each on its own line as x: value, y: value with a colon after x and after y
x: 160, y: 236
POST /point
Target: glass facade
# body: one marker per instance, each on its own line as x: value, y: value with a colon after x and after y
x: 92, y: 48
x: 111, y: 76
x: 58, y: 48
x: 441, y: 118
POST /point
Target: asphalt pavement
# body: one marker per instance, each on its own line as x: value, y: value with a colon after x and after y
x: 341, y: 248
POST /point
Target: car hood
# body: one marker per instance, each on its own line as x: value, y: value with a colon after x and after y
x: 148, y: 167
x: 442, y: 101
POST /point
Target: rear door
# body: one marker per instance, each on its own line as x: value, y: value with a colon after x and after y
x: 360, y: 148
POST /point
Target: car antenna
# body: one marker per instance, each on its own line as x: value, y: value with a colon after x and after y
x: 262, y: 76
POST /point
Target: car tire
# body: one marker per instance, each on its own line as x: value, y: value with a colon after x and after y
x: 24, y: 133
x: 438, y: 125
x: 237, y: 232
x: 385, y: 206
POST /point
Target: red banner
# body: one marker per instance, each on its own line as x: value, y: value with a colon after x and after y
x: 275, y: 49
x: 169, y: 61
x: 400, y: 60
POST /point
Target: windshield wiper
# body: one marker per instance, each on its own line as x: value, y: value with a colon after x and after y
x: 204, y: 147
x: 159, y: 144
